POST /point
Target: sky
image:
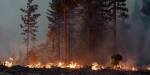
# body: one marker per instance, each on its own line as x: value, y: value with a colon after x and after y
x: 10, y: 20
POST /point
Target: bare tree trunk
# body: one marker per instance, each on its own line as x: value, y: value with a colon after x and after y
x: 115, y: 27
x: 66, y: 38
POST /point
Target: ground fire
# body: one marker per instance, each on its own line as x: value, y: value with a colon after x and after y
x: 72, y: 67
x: 116, y: 64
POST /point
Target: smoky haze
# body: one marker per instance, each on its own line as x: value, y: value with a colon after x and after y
x: 133, y: 33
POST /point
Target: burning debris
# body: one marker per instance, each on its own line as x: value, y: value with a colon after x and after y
x: 115, y: 61
x: 72, y: 68
x: 74, y: 65
x: 116, y: 64
x: 71, y: 65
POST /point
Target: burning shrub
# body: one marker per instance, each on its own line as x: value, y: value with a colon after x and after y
x: 115, y: 59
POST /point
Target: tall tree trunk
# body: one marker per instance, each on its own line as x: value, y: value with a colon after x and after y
x: 115, y: 27
x: 66, y: 38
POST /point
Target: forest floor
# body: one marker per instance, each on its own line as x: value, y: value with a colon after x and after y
x: 18, y: 70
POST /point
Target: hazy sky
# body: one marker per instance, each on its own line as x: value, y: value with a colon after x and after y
x: 10, y: 20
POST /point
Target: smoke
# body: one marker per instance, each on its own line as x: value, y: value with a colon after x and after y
x: 136, y: 35
x: 4, y: 38
x: 39, y: 52
x: 18, y: 53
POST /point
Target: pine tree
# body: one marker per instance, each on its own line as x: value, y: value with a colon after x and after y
x: 55, y: 19
x: 58, y: 19
x: 96, y: 17
x: 76, y: 26
x: 94, y: 21
x: 29, y: 25
x: 67, y: 6
x: 116, y: 10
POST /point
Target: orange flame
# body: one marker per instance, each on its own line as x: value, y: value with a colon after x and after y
x: 71, y: 65
x: 96, y: 66
x: 61, y: 65
x: 125, y: 67
x: 9, y: 62
x: 39, y: 65
x: 74, y: 65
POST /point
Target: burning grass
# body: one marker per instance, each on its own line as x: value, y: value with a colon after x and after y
x: 95, y: 66
x: 18, y: 70
x: 71, y: 68
x: 74, y: 65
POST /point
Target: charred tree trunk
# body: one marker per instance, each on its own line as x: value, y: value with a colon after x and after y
x: 115, y: 27
x: 66, y: 38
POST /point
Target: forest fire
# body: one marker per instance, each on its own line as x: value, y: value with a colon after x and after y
x: 124, y: 67
x: 71, y: 65
x: 116, y: 64
x: 74, y: 65
x: 82, y: 37
x: 39, y: 65
x: 72, y: 68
